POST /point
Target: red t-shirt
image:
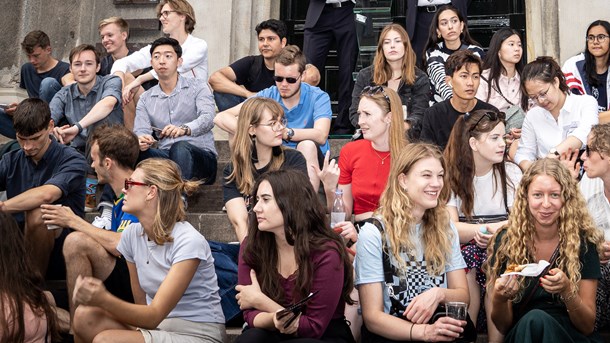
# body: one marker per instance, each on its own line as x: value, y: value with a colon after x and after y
x: 363, y: 168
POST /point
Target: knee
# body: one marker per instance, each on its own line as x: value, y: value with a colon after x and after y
x: 104, y: 337
x: 307, y: 147
x: 76, y: 243
x: 179, y: 150
x: 33, y: 220
x: 535, y: 320
x: 86, y: 319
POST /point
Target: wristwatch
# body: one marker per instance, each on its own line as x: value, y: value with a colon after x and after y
x: 187, y: 130
x: 554, y: 152
x: 289, y: 134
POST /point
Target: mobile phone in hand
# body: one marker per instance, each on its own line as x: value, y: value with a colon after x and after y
x: 297, y: 307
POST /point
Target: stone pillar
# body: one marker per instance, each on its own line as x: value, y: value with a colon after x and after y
x: 542, y: 26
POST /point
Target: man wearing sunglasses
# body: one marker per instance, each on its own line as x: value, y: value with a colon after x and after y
x: 91, y: 251
x: 306, y: 108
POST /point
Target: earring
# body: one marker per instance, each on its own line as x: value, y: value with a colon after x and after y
x: 439, y: 36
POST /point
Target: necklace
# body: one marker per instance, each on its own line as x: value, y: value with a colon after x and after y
x: 381, y: 158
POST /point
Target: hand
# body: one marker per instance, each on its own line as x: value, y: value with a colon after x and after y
x: 568, y: 159
x: 506, y: 287
x: 172, y: 131
x: 58, y: 132
x: 280, y: 322
x: 445, y: 329
x: 248, y: 295
x: 88, y: 291
x: 311, y: 75
x: 69, y: 134
x: 604, y: 258
x: 146, y: 141
x: 556, y: 282
x: 422, y: 307
x: 329, y: 175
x: 515, y: 133
x: 57, y: 215
x: 482, y: 239
x: 347, y: 230
x: 129, y: 91
x: 10, y: 110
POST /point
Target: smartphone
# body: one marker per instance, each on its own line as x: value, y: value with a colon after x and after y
x: 4, y: 106
x: 297, y: 307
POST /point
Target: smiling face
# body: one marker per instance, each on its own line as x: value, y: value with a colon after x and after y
x: 173, y: 22
x: 84, y: 67
x: 113, y: 39
x: 423, y: 184
x: 596, y: 164
x: 268, y: 214
x: 393, y: 46
x: 490, y: 146
x: 465, y: 81
x: 449, y: 26
x: 544, y: 201
x: 595, y: 47
x: 373, y: 120
x: 511, y: 50
x: 264, y: 130
x: 270, y: 44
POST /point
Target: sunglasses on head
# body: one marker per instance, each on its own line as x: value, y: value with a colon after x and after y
x: 372, y: 90
x: 288, y: 79
x: 492, y: 115
x: 131, y: 183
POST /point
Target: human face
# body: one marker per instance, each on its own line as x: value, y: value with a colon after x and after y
x: 268, y: 214
x: 135, y: 197
x: 465, y: 82
x: 544, y: 201
x: 423, y: 183
x: 84, y: 67
x: 449, y: 26
x: 98, y: 164
x: 269, y: 131
x: 270, y: 44
x: 172, y: 22
x: 373, y: 120
x: 288, y: 90
x: 165, y: 61
x: 40, y: 57
x: 511, y: 50
x: 544, y: 94
x: 393, y: 46
x: 36, y: 145
x: 490, y: 146
x: 596, y: 47
x: 113, y: 39
x: 593, y: 163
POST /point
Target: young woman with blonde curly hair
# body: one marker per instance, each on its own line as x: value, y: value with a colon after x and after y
x: 423, y: 248
x: 549, y: 221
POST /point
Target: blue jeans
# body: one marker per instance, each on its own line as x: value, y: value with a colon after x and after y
x: 225, y: 263
x: 6, y: 125
x: 194, y: 162
x: 224, y: 101
x: 48, y: 88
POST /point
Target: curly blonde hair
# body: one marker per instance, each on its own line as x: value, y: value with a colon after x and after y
x: 396, y: 211
x: 574, y: 224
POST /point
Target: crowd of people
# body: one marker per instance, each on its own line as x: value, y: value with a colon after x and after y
x: 470, y: 164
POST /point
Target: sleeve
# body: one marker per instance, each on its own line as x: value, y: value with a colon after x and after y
x: 572, y: 75
x: 427, y: 130
x: 589, y: 116
x: 243, y: 278
x: 456, y: 260
x: 113, y: 87
x: 328, y: 282
x: 58, y: 104
x: 142, y: 124
x: 454, y: 201
x: 4, y: 169
x: 241, y: 68
x: 590, y: 261
x: 346, y: 166
x: 362, y: 80
x: 294, y: 160
x: 322, y: 109
x: 369, y: 259
x: 229, y: 189
x: 436, y: 72
x: 189, y: 244
x: 124, y: 246
x: 195, y: 53
x: 514, y: 174
x: 205, y: 111
x: 527, y: 143
x: 69, y: 175
x: 482, y: 91
x: 420, y: 101
x: 138, y: 60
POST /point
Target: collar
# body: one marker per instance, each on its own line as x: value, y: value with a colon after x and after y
x: 568, y: 105
x: 76, y: 92
x: 181, y: 84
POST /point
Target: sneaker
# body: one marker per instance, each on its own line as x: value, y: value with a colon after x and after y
x: 90, y: 203
x: 102, y: 223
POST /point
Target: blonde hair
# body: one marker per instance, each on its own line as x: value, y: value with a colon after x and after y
x: 251, y: 114
x: 397, y: 139
x: 164, y: 174
x: 183, y: 7
x: 382, y: 72
x: 118, y: 21
x: 574, y: 223
x: 396, y: 211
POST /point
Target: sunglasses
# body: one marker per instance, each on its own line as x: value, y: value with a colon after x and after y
x: 372, y: 90
x: 130, y: 183
x: 288, y: 79
x: 491, y: 115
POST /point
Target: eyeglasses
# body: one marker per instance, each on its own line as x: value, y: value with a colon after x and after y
x: 288, y: 79
x: 600, y: 38
x: 540, y: 97
x: 492, y: 115
x: 130, y: 183
x: 372, y: 90
x: 277, y: 125
x: 165, y: 14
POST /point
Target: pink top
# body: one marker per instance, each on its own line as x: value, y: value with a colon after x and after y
x: 35, y: 326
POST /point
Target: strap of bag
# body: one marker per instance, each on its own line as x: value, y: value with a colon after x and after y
x: 533, y: 291
x: 497, y: 90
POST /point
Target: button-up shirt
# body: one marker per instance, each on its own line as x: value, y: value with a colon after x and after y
x: 509, y: 86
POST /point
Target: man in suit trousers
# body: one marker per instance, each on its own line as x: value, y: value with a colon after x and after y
x: 419, y: 17
x: 329, y: 20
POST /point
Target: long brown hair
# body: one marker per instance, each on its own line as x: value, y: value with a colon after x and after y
x: 382, y: 73
x: 306, y: 228
x: 20, y: 286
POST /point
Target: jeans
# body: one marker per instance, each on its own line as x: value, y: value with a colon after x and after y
x: 224, y: 101
x: 48, y: 88
x: 225, y: 263
x: 6, y: 125
x: 194, y: 162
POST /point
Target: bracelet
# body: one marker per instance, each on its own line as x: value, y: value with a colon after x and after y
x: 576, y: 308
x: 79, y: 127
x: 411, y: 332
x: 570, y: 297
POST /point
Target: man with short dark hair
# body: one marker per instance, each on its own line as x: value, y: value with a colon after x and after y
x: 179, y: 111
x: 41, y: 172
x: 90, y: 251
x: 463, y: 72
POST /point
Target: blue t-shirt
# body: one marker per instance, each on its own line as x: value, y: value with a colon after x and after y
x: 30, y: 79
x: 314, y: 104
x: 120, y: 219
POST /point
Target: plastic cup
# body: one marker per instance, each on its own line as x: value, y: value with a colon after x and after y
x: 456, y: 310
x: 53, y: 226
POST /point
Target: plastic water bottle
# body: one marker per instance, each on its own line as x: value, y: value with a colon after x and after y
x: 338, y: 213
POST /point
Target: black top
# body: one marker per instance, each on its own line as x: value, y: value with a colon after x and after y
x: 30, y: 79
x: 252, y: 73
x: 439, y: 119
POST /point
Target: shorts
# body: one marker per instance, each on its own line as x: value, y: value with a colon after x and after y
x: 118, y: 282
x: 176, y: 330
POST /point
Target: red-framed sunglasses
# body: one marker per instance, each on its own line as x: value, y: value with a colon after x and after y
x: 129, y: 183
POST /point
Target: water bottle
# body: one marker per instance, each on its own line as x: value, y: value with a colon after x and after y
x: 338, y: 213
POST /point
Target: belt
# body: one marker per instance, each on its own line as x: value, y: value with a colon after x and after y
x: 429, y: 9
x: 339, y: 4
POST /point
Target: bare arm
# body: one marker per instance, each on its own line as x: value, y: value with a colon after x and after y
x: 227, y: 120
x: 223, y: 81
x: 238, y: 216
x: 318, y: 134
x: 32, y: 198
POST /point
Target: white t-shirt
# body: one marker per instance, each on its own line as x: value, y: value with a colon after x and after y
x: 597, y: 203
x: 488, y: 198
x: 369, y: 265
x: 200, y: 302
